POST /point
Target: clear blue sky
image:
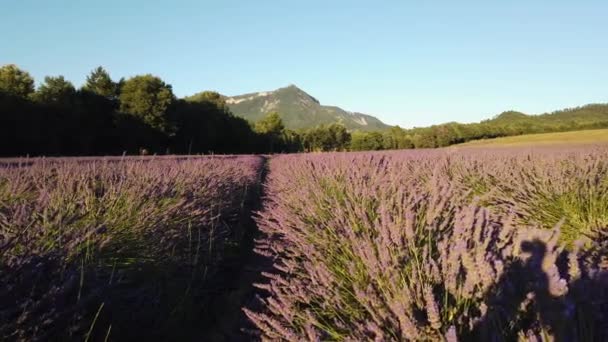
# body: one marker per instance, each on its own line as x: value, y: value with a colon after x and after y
x: 410, y: 63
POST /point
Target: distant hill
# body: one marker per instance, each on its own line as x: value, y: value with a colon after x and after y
x: 506, y: 124
x: 571, y: 117
x: 298, y: 110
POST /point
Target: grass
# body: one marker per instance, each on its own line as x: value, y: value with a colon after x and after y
x: 561, y: 138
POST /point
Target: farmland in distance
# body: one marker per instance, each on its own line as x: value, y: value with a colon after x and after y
x: 595, y: 136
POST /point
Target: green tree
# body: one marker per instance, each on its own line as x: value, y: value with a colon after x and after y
x: 15, y: 82
x: 210, y: 97
x: 424, y: 139
x: 397, y: 138
x: 148, y: 98
x: 56, y: 91
x: 317, y: 138
x: 271, y: 124
x: 292, y: 141
x: 405, y: 142
x: 100, y: 83
x: 271, y: 128
x: 340, y: 136
x: 366, y: 141
x: 332, y: 137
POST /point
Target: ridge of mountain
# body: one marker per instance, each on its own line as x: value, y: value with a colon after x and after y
x: 298, y: 110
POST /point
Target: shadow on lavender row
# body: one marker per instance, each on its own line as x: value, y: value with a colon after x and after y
x: 527, y: 299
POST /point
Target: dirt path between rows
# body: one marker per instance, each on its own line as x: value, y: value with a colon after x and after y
x: 242, y: 269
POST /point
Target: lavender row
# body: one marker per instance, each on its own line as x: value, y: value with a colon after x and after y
x: 112, y: 249
x: 436, y: 245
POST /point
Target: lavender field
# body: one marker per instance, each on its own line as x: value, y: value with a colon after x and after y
x: 451, y: 245
x: 116, y: 249
x: 447, y: 244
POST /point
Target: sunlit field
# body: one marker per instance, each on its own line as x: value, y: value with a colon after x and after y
x: 472, y: 244
x: 478, y: 244
x: 595, y: 136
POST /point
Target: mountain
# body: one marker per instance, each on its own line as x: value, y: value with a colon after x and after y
x: 298, y: 110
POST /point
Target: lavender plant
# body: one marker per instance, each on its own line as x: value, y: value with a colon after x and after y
x: 114, y: 248
x: 545, y: 186
x: 419, y: 246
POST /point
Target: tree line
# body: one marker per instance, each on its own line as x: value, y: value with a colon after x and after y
x: 135, y: 115
x: 508, y: 123
x: 141, y: 115
x: 138, y: 115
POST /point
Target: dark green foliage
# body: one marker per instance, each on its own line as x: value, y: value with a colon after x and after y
x: 271, y: 129
x: 396, y: 138
x: 514, y: 123
x: 139, y: 115
x: 148, y: 98
x: 332, y: 137
x: 271, y: 124
x: 15, y: 82
x: 100, y: 83
x: 209, y: 97
x: 292, y: 141
x: 205, y: 125
x: 509, y: 123
x: 73, y: 123
x: 55, y: 91
x: 363, y: 141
